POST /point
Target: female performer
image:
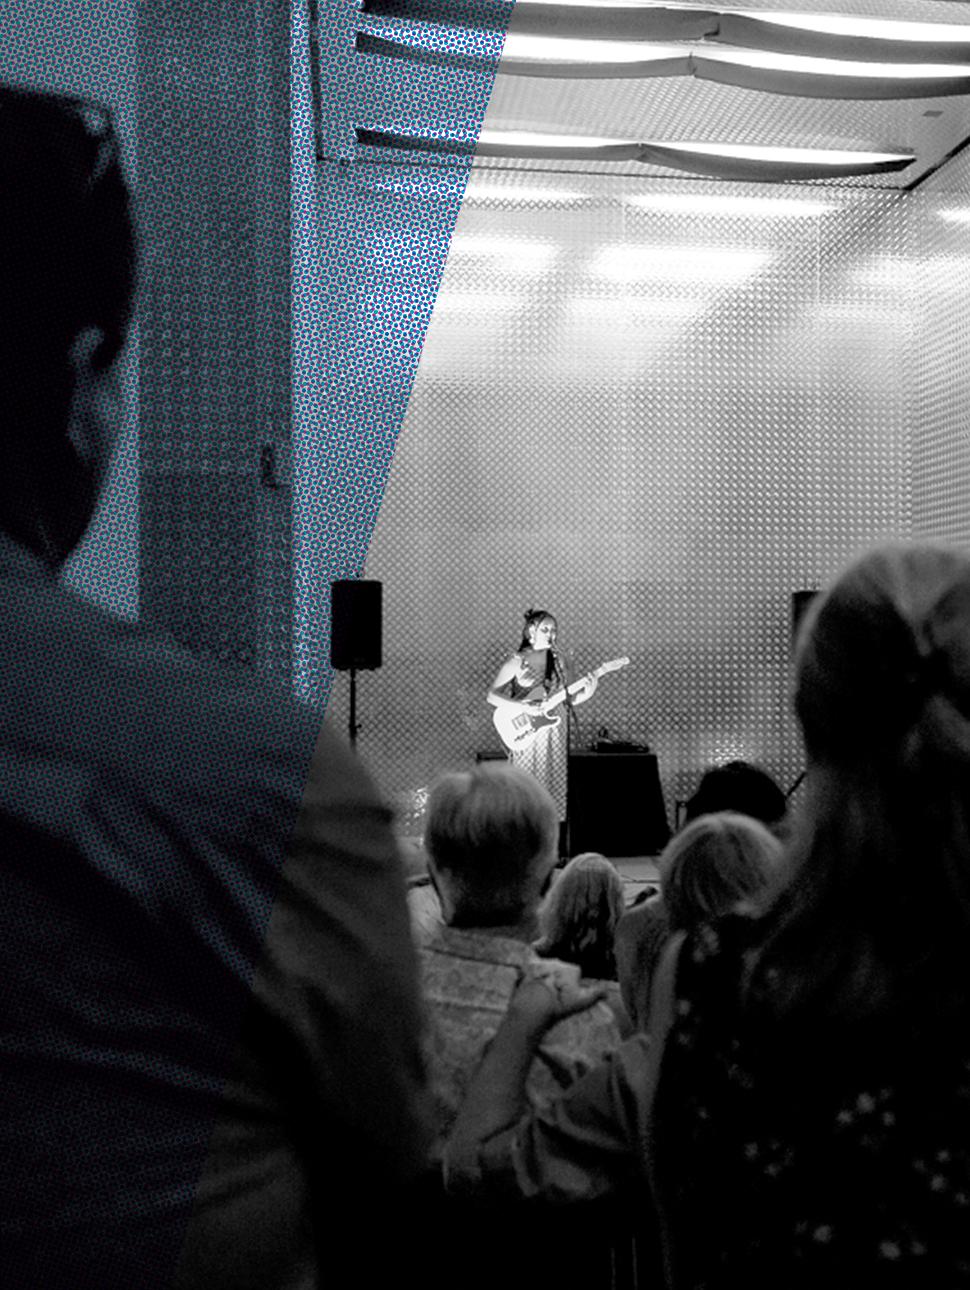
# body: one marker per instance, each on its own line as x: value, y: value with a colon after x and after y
x: 530, y: 683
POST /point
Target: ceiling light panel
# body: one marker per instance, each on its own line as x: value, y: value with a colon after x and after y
x: 930, y: 128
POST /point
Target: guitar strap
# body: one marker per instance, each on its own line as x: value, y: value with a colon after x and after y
x: 518, y: 689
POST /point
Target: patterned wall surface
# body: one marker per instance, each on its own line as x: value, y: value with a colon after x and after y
x: 370, y: 248
x: 941, y: 478
x: 656, y: 410
x: 214, y: 209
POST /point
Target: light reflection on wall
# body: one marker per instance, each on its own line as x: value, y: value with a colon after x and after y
x: 659, y: 413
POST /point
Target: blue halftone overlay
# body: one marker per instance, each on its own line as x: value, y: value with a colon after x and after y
x: 370, y: 248
x: 144, y: 846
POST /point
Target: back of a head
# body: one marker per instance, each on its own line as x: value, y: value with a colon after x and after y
x: 738, y: 786
x: 491, y: 836
x: 713, y: 863
x: 68, y: 250
x: 578, y: 918
x: 882, y: 668
x: 881, y: 848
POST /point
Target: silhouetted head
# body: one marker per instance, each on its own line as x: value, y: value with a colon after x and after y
x: 877, y: 906
x: 882, y: 664
x: 738, y: 786
x: 579, y: 915
x: 67, y: 248
x: 712, y: 864
x: 491, y: 836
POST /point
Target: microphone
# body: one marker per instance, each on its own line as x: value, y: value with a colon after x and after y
x: 556, y: 663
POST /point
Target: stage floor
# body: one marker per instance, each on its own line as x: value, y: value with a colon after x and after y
x: 637, y: 872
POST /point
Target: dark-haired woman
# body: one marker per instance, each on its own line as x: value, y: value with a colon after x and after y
x: 525, y: 692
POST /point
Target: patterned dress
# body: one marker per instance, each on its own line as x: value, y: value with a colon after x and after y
x: 545, y: 755
x: 808, y: 1155
x: 818, y: 1156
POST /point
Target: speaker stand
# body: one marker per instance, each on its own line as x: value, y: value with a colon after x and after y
x: 352, y: 726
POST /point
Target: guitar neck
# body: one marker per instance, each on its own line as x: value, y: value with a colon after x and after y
x: 557, y: 698
x: 602, y: 670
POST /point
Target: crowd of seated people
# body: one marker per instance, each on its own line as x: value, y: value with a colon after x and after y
x: 222, y: 1058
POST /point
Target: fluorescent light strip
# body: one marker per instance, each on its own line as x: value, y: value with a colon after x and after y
x: 566, y: 143
x: 528, y: 54
x: 815, y: 35
x: 845, y: 25
x: 683, y: 59
x: 836, y: 67
x: 719, y: 160
x: 560, y: 49
x: 749, y: 152
x: 537, y: 139
x: 788, y: 156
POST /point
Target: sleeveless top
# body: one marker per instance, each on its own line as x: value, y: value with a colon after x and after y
x: 531, y: 675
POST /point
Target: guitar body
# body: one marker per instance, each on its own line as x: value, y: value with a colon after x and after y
x: 519, y: 729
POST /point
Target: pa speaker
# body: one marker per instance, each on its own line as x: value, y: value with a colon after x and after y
x: 616, y: 805
x: 355, y: 624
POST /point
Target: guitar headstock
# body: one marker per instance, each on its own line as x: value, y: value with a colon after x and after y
x: 613, y: 665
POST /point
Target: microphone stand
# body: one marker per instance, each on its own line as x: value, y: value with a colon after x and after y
x: 559, y: 673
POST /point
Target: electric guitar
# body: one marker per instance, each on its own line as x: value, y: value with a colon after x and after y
x: 518, y: 729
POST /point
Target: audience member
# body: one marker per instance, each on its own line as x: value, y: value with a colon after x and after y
x: 738, y: 786
x: 491, y: 838
x: 210, y: 1059
x: 492, y: 843
x: 578, y: 917
x: 811, y: 1124
x: 706, y: 869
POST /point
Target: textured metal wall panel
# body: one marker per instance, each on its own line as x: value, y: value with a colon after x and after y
x: 656, y: 423
x: 215, y: 323
x: 206, y: 523
x: 941, y: 479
